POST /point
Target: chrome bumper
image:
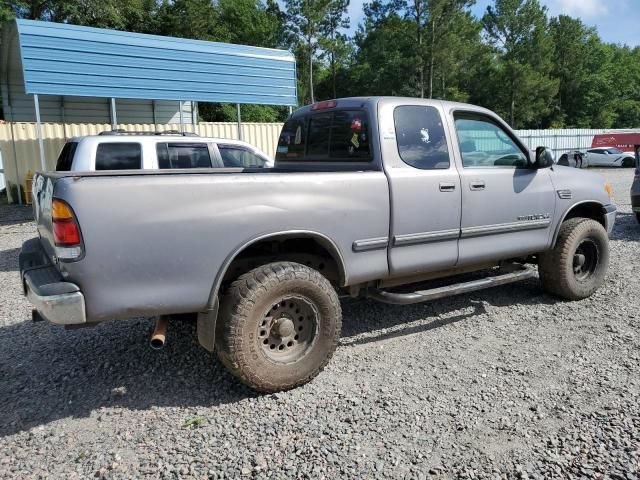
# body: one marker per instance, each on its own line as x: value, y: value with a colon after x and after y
x: 55, y: 300
x: 610, y: 212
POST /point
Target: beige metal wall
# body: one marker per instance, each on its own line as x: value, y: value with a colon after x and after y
x: 19, y: 141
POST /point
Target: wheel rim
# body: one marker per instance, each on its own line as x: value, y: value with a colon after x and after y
x: 585, y: 259
x: 288, y: 329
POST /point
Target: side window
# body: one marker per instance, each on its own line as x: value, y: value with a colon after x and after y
x: 485, y: 144
x: 292, y: 140
x: 420, y: 137
x: 65, y: 159
x: 240, y: 157
x: 118, y: 156
x: 183, y: 155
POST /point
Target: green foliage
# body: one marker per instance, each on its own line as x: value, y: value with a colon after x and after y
x: 534, y: 70
x: 225, y: 112
x: 194, y: 422
x: 518, y: 31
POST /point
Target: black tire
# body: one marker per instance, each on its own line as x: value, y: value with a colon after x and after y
x: 628, y: 163
x: 254, y: 336
x: 576, y: 267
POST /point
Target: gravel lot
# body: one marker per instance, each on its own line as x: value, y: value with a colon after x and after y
x: 505, y: 383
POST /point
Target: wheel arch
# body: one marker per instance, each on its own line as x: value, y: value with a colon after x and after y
x: 323, y: 242
x: 588, y: 209
x: 207, y: 319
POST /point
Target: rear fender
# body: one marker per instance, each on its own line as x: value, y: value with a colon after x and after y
x: 207, y: 320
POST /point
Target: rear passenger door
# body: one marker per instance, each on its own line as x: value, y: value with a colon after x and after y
x: 425, y: 187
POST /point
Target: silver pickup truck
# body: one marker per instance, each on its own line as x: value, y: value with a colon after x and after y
x: 370, y: 197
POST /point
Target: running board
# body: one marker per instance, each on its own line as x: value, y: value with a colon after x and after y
x: 522, y: 273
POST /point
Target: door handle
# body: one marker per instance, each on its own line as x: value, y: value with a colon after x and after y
x: 476, y: 185
x: 447, y: 187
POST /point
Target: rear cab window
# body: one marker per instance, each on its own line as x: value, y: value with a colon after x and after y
x: 327, y: 136
x: 119, y: 156
x: 65, y: 159
x: 183, y: 155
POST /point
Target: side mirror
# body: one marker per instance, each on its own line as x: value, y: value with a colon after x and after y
x: 544, y: 158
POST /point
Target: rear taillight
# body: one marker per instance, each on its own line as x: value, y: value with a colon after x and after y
x: 66, y: 234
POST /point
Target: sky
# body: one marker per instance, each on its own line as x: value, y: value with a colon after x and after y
x: 617, y: 21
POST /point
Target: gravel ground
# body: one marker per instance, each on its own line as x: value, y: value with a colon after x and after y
x: 504, y: 383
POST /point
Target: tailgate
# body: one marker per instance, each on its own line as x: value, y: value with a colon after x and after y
x: 43, y: 186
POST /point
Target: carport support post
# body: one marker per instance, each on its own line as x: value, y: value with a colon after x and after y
x: 36, y: 103
x: 181, y: 117
x: 239, y: 122
x: 114, y: 118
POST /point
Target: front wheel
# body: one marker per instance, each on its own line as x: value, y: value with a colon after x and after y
x: 628, y: 163
x: 576, y: 267
x: 279, y: 325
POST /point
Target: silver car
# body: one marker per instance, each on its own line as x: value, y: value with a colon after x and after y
x: 609, y: 157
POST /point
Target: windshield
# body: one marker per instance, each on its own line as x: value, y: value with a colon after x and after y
x: 614, y: 151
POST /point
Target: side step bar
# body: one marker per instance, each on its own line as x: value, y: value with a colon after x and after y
x: 522, y: 273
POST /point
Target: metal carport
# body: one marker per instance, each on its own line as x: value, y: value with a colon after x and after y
x: 76, y: 61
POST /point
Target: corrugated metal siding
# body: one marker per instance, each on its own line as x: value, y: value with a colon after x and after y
x: 560, y: 140
x: 563, y: 140
x: 262, y: 135
x: 61, y: 59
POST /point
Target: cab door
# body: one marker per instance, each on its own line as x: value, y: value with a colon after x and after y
x: 507, y: 205
x: 424, y: 186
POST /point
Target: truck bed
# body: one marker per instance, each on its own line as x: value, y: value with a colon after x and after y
x: 157, y: 242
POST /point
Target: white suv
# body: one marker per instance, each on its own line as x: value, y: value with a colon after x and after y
x: 121, y: 150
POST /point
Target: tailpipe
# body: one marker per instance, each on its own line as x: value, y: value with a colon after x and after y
x: 159, y: 335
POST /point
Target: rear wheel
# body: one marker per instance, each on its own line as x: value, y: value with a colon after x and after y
x: 576, y: 267
x: 279, y: 326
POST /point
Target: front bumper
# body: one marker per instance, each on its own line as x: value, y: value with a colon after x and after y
x: 610, y: 212
x: 55, y: 300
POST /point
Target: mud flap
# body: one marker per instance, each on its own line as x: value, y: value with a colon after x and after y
x: 206, y: 326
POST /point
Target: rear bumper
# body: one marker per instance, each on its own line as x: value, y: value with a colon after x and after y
x: 610, y: 212
x: 56, y: 300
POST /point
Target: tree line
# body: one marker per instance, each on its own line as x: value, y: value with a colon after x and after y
x: 536, y: 70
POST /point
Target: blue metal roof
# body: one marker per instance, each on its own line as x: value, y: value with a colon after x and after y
x: 61, y: 59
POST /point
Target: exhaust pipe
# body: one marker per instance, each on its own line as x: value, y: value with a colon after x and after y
x: 159, y: 335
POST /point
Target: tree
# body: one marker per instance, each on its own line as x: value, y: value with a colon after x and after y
x: 447, y: 21
x: 307, y: 18
x: 252, y: 22
x: 384, y: 63
x: 517, y: 29
x: 332, y: 42
x: 134, y: 15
